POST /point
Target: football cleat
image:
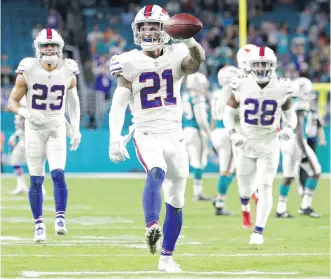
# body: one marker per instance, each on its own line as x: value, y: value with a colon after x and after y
x: 153, y: 238
x: 19, y: 190
x: 256, y: 238
x: 309, y: 212
x: 220, y: 210
x: 201, y: 197
x: 39, y: 232
x: 284, y: 215
x: 247, y: 220
x: 167, y: 264
x: 60, y: 226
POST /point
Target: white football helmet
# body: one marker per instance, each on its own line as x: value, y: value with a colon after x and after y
x: 303, y: 89
x: 262, y: 62
x: 226, y: 74
x: 198, y: 82
x: 242, y: 55
x: 148, y: 27
x: 49, y: 37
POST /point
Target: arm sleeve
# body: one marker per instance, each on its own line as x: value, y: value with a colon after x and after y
x: 74, y: 109
x: 120, y: 101
x: 291, y: 118
x: 229, y: 118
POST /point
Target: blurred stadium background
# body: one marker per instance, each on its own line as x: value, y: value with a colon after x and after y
x: 94, y: 30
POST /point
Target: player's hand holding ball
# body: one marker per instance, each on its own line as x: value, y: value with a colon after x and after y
x: 183, y: 27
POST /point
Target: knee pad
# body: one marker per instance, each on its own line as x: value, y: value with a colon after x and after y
x: 156, y: 174
x: 58, y: 177
x: 174, y: 192
x: 36, y: 182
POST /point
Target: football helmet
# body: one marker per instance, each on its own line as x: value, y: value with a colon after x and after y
x: 242, y: 55
x: 303, y: 89
x: 148, y: 27
x: 226, y: 74
x: 198, y: 82
x: 262, y: 63
x: 48, y: 45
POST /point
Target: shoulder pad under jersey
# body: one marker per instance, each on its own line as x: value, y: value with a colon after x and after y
x: 25, y: 64
x: 71, y: 65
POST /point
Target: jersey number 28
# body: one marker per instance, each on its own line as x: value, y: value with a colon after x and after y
x: 268, y: 108
x: 43, y: 96
x: 155, y: 102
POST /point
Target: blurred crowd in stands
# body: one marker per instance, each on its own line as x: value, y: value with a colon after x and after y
x: 303, y: 48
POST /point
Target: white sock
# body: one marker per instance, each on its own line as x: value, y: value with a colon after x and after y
x: 220, y: 200
x: 197, y: 187
x: 246, y: 207
x: 21, y: 182
x: 282, y: 204
x: 307, y: 198
x: 165, y: 258
x: 264, y: 205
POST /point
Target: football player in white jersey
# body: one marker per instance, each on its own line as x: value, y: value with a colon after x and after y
x: 221, y: 138
x: 297, y: 149
x: 197, y: 131
x: 261, y: 96
x: 47, y: 81
x: 149, y: 80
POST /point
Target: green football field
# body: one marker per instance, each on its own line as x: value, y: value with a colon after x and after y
x: 106, y: 236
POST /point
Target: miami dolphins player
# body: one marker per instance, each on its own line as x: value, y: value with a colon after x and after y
x: 197, y: 131
x: 294, y: 151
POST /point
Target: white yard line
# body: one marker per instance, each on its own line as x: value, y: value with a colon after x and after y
x: 36, y: 274
x: 125, y: 175
x: 177, y: 277
x: 177, y: 255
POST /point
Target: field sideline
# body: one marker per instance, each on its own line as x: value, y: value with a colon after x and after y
x: 106, y: 236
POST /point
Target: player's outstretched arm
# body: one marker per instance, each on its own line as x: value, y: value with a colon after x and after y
x: 74, y: 114
x: 191, y: 63
x: 121, y: 99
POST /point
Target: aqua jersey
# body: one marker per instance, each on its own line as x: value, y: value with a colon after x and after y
x: 189, y: 102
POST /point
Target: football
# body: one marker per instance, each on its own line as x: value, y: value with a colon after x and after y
x: 182, y: 26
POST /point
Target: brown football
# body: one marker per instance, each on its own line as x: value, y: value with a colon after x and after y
x: 183, y: 26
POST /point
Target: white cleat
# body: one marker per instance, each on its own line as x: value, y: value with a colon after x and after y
x: 167, y: 264
x: 39, y: 233
x: 256, y: 238
x: 19, y: 190
x: 153, y: 238
x: 60, y: 226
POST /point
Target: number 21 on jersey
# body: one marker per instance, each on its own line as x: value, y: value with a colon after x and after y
x: 146, y: 100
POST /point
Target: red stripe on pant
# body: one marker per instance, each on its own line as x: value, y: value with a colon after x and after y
x: 140, y: 157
